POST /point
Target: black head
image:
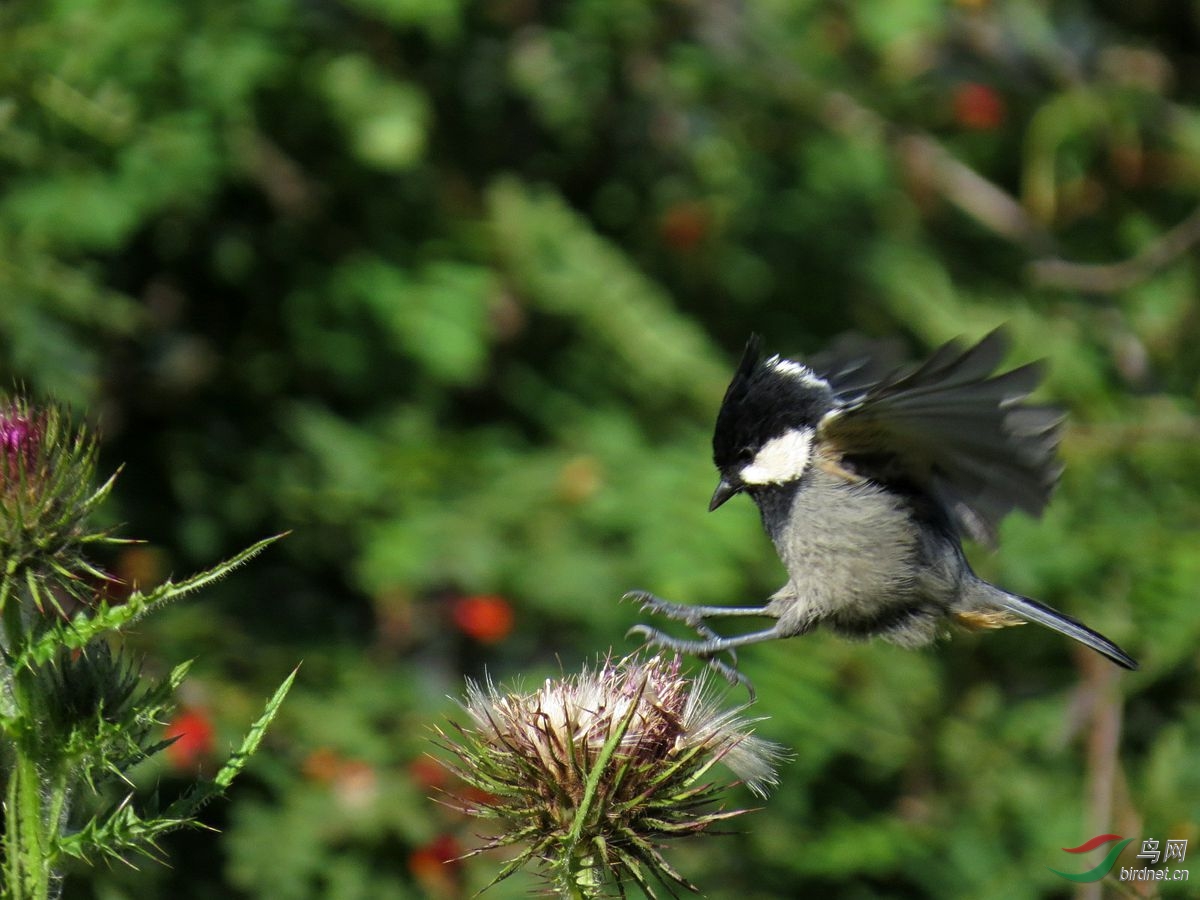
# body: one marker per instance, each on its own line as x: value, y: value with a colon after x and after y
x: 767, y: 422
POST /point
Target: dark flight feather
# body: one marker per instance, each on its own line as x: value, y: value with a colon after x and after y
x: 955, y: 430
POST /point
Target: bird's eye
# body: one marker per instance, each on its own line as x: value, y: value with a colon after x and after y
x: 745, y: 455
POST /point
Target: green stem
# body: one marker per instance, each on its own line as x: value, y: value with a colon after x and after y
x: 582, y: 881
x: 29, y: 832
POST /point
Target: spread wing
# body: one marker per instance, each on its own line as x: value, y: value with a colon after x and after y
x: 951, y: 429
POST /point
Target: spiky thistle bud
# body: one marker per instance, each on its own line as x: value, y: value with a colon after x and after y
x: 593, y: 772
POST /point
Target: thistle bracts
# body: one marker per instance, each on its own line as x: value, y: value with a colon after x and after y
x: 593, y: 772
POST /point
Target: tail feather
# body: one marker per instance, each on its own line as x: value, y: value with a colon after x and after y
x: 1032, y: 611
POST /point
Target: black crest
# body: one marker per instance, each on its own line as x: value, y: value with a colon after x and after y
x: 762, y: 401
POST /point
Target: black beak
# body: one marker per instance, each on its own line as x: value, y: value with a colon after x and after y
x: 724, y: 491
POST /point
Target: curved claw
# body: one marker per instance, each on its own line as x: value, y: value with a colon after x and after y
x: 649, y: 602
x: 645, y: 631
x: 733, y: 676
x: 656, y: 638
x: 655, y: 605
x: 704, y: 649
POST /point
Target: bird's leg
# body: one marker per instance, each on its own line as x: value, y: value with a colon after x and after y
x: 708, y: 647
x: 711, y: 643
x: 692, y: 616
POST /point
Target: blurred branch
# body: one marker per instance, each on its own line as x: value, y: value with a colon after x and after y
x: 1109, y: 278
x: 282, y: 179
x: 979, y: 198
x: 1103, y: 745
x: 931, y: 164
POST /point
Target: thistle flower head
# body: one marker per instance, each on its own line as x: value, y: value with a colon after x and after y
x: 47, y: 470
x: 592, y: 772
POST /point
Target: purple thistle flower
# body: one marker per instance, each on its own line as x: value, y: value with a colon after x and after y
x: 20, y: 441
x: 14, y: 428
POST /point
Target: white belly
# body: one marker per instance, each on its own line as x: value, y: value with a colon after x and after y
x: 850, y: 547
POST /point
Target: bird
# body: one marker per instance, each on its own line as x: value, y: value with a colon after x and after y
x: 868, y: 477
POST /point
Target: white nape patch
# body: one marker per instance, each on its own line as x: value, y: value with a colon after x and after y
x: 793, y: 369
x: 781, y: 459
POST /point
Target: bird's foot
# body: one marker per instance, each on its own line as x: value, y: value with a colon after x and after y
x: 706, y: 649
x: 709, y: 644
x: 692, y: 616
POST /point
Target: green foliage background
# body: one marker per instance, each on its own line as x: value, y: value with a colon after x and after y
x: 451, y: 290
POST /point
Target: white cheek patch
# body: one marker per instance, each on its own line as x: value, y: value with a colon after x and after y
x: 781, y: 459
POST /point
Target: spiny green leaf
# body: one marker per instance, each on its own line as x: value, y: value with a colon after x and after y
x: 90, y: 624
x: 205, y: 791
x: 254, y: 737
x: 101, y: 493
x: 509, y: 868
x: 120, y: 831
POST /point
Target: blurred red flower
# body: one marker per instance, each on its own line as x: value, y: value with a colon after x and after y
x: 978, y: 107
x: 684, y: 226
x: 428, y: 772
x: 195, y: 738
x: 436, y: 865
x: 488, y: 618
x: 354, y: 782
x: 322, y: 765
